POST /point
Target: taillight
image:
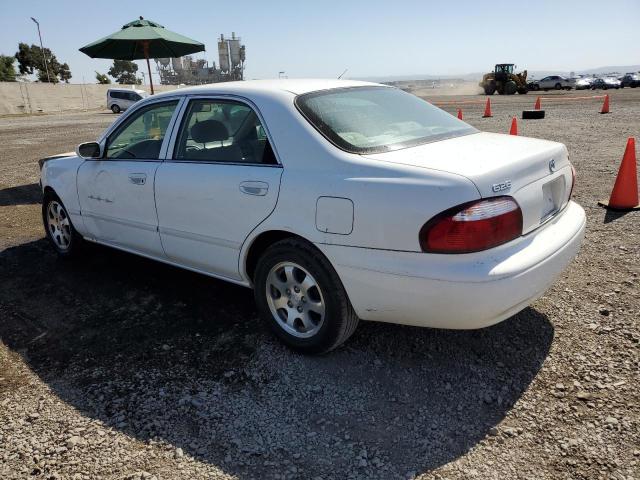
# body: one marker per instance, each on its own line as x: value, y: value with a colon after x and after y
x: 473, y: 226
x: 573, y: 181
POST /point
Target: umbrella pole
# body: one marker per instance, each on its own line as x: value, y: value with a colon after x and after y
x: 150, y: 79
x: 146, y: 55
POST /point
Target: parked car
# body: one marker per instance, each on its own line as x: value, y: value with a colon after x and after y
x: 630, y: 80
x: 605, y: 83
x: 119, y: 99
x: 583, y: 83
x: 555, y: 82
x: 336, y: 201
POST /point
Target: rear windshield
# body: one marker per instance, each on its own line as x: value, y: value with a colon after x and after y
x: 377, y: 119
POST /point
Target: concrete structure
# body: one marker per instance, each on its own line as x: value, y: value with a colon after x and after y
x: 187, y: 71
x: 19, y: 97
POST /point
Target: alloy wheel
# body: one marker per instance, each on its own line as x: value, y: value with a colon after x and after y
x: 59, y: 225
x: 295, y: 299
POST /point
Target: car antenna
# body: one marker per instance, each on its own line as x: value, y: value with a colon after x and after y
x: 345, y: 71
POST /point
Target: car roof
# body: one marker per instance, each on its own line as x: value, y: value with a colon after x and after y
x: 137, y: 90
x: 293, y: 86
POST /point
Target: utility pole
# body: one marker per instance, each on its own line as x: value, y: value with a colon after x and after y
x: 44, y: 56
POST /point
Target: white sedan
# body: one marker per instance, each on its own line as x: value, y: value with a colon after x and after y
x: 336, y: 201
x: 555, y: 82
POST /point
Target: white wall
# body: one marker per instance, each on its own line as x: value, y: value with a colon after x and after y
x: 18, y: 97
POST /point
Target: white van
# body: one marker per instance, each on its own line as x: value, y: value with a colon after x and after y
x: 119, y: 99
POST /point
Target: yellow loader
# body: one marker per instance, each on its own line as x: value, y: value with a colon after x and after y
x: 504, y: 81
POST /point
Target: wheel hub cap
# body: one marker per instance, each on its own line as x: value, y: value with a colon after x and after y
x: 59, y: 225
x: 295, y: 299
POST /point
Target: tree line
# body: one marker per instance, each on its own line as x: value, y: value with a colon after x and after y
x: 32, y: 59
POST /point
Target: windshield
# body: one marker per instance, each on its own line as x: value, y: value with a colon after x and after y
x: 377, y: 119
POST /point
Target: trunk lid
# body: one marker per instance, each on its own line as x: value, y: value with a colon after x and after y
x: 535, y: 172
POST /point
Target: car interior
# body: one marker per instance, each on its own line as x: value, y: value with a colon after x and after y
x: 211, y: 132
x: 223, y: 132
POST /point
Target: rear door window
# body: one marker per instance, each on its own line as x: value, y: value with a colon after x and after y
x: 222, y: 131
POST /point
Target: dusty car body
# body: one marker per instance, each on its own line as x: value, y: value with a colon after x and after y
x: 336, y: 201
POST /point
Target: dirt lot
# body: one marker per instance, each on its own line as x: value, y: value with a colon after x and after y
x: 113, y: 366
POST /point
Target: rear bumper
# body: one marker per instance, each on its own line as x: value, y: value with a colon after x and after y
x: 458, y: 291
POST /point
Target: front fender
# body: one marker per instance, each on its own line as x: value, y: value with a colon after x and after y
x: 59, y: 174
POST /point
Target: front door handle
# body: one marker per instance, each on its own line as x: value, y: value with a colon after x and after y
x: 138, y: 178
x: 254, y: 188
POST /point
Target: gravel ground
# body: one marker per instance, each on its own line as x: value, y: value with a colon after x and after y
x: 113, y: 366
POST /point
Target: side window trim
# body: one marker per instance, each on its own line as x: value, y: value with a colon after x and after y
x: 181, y: 119
x: 131, y: 117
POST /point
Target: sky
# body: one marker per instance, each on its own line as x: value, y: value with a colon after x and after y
x: 370, y: 38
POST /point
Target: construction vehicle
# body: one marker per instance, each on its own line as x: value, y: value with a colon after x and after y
x: 504, y: 81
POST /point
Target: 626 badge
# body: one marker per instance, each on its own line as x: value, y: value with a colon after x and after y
x: 499, y: 187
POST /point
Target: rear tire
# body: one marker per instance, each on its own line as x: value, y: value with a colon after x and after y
x: 301, y: 297
x: 115, y: 108
x: 558, y: 86
x: 66, y: 241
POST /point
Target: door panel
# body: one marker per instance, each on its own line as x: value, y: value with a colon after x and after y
x: 207, y: 210
x: 117, y: 202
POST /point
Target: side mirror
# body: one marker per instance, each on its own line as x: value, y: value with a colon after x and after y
x: 89, y: 150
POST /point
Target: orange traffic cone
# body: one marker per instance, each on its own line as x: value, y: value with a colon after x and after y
x: 460, y: 114
x: 624, y: 195
x: 537, y: 106
x: 487, y: 109
x: 514, y: 127
x: 605, y: 105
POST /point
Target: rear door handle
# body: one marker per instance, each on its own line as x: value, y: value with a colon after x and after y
x: 254, y: 188
x: 138, y: 178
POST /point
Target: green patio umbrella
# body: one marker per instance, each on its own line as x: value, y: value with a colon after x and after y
x: 142, y: 39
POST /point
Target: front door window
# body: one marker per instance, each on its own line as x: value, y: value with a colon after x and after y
x: 141, y: 136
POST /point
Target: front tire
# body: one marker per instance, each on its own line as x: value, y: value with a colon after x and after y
x: 58, y: 227
x: 301, y: 297
x: 490, y: 89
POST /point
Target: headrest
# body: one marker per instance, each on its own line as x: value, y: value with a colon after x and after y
x: 209, y: 131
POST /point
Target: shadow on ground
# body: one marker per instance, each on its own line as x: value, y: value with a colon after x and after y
x: 613, y: 215
x: 161, y: 353
x: 21, y: 195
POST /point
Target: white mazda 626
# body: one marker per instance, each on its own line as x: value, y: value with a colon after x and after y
x: 334, y: 200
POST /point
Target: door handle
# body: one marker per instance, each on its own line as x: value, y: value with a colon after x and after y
x: 138, y: 178
x: 254, y: 188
